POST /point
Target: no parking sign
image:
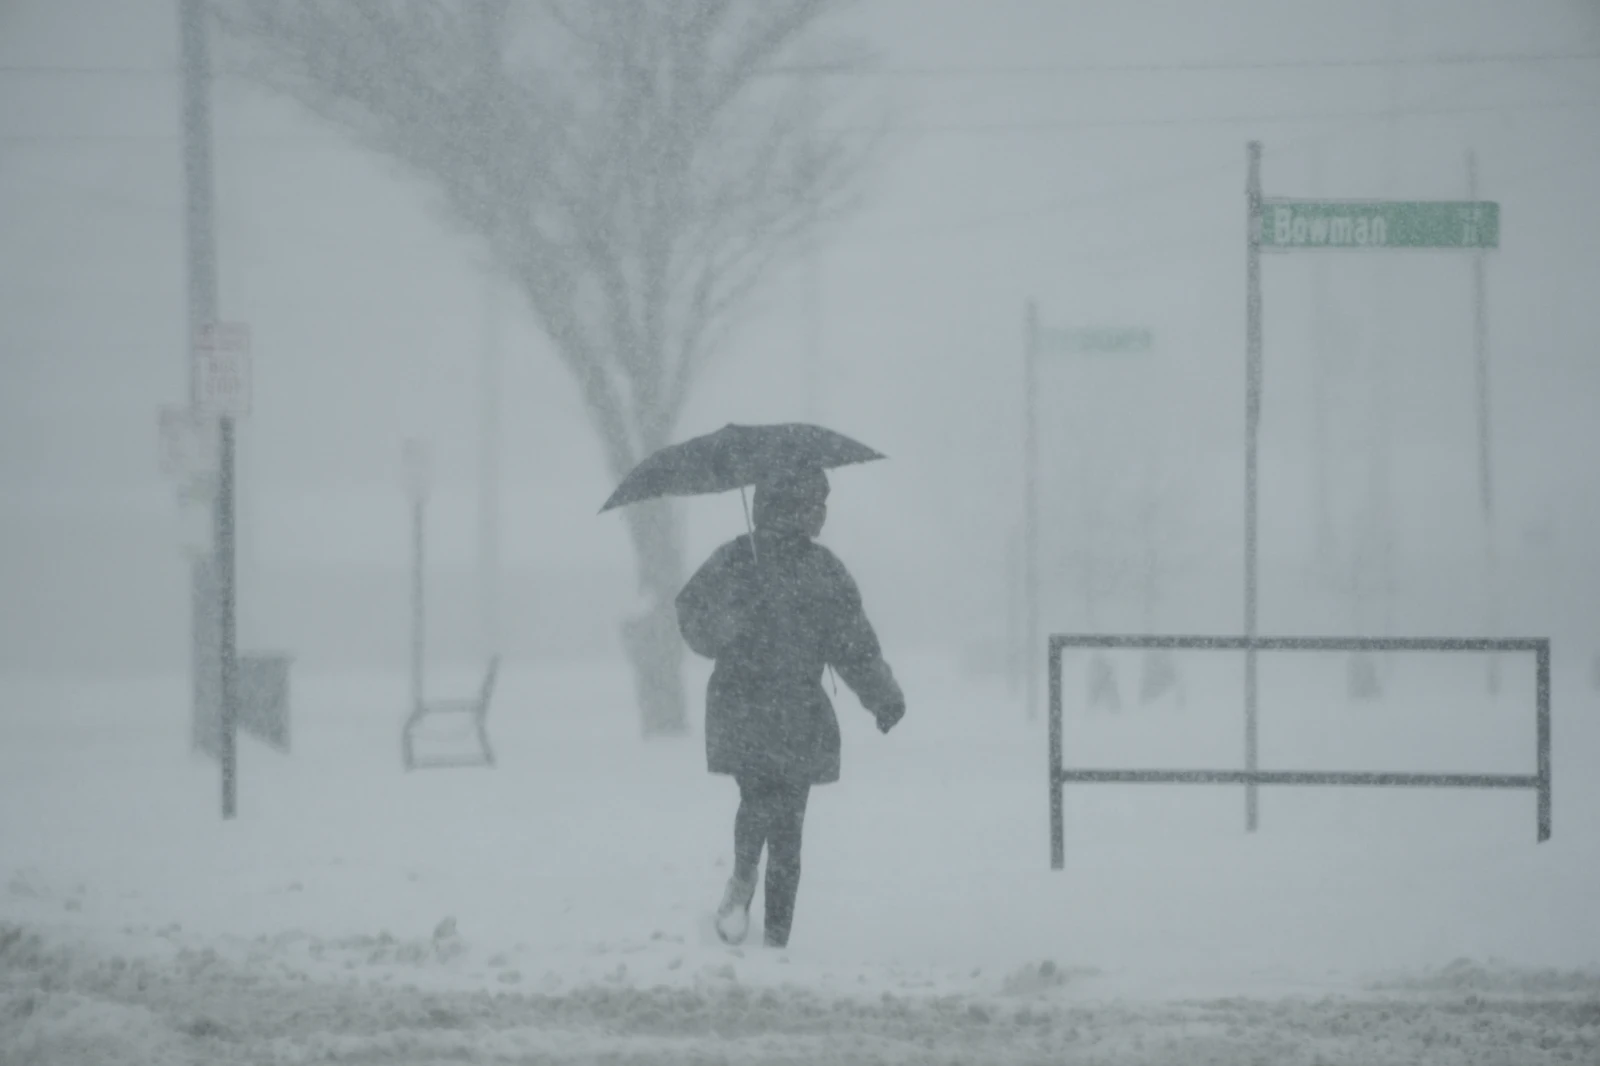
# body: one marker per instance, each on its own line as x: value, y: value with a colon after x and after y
x: 222, y: 370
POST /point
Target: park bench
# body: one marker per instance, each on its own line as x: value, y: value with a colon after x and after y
x: 470, y: 717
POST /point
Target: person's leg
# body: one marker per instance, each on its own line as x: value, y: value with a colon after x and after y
x: 750, y: 828
x: 784, y: 833
x: 750, y: 831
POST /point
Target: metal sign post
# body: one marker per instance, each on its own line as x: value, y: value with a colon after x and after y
x: 222, y: 395
x: 200, y: 260
x: 1252, y: 434
x: 227, y: 569
x: 1480, y: 362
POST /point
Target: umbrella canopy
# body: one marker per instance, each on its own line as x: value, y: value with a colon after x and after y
x: 736, y: 457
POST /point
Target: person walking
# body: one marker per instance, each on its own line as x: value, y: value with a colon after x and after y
x: 773, y: 609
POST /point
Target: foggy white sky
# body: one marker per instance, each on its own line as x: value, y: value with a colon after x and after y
x: 1109, y: 196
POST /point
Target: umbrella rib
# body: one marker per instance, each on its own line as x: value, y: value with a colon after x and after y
x: 754, y: 551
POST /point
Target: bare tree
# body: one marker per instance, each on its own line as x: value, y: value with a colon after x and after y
x: 637, y: 168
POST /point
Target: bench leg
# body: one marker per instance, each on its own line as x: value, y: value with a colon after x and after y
x: 483, y: 739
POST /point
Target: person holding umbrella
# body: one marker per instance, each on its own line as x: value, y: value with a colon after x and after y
x: 773, y: 609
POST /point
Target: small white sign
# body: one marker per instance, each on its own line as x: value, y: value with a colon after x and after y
x: 222, y: 370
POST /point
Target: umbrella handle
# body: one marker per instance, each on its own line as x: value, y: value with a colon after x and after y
x: 748, y: 525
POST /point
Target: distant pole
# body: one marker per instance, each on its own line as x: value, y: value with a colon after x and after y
x: 201, y: 269
x: 227, y: 574
x: 1030, y: 494
x: 418, y: 607
x: 489, y: 474
x: 1321, y: 324
x: 416, y: 463
x: 199, y: 232
x: 812, y: 283
x: 813, y: 315
x: 489, y: 385
x: 1016, y: 663
x: 1480, y: 341
x: 1383, y: 454
x: 1252, y: 433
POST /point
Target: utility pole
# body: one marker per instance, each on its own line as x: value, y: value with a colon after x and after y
x: 201, y: 269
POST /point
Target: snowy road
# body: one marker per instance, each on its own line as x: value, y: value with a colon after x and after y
x: 64, y: 1003
x: 553, y: 909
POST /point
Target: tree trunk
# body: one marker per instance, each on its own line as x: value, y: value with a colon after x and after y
x: 651, y: 639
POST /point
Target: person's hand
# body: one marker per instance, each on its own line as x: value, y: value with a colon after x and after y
x: 890, y: 716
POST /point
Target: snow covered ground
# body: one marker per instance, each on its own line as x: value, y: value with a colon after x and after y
x: 555, y: 909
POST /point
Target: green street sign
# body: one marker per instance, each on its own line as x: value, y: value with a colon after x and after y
x: 1116, y: 340
x: 1293, y: 225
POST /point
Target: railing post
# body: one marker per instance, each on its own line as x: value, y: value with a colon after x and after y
x: 1058, y: 831
x: 1543, y: 699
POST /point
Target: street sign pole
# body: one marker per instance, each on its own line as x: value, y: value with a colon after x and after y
x: 1480, y: 345
x: 1321, y: 323
x: 201, y: 262
x: 228, y: 644
x: 1030, y: 490
x: 199, y: 233
x: 1252, y: 432
x: 222, y: 376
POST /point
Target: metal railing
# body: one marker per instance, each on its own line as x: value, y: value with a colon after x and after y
x: 1251, y: 776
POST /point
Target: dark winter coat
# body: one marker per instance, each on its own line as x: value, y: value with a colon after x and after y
x: 773, y: 620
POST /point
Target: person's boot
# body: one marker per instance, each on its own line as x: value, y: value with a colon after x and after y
x: 782, y: 881
x: 733, y: 914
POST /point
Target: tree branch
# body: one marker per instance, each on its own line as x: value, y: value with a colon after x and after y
x: 639, y: 175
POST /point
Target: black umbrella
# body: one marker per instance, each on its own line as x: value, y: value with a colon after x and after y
x: 736, y: 457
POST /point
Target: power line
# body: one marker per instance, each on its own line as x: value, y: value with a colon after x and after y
x: 973, y: 71
x: 1121, y: 191
x: 1045, y: 125
x: 941, y: 129
x: 956, y: 71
